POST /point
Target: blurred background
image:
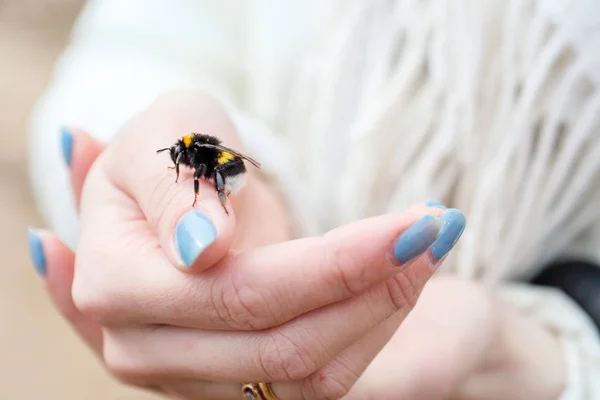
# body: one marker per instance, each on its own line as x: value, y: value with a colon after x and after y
x: 40, y: 357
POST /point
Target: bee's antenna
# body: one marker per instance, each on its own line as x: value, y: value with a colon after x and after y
x: 161, y: 150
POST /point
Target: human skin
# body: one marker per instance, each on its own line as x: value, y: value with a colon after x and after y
x: 146, y: 331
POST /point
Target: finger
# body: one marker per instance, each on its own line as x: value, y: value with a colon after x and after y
x: 338, y: 377
x: 193, y: 235
x: 255, y: 289
x: 80, y: 151
x: 416, y: 362
x: 292, y: 351
x: 334, y: 380
x: 275, y: 284
x: 55, y: 263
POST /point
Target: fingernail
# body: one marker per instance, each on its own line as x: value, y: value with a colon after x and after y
x: 36, y: 251
x: 194, y: 233
x: 436, y: 204
x: 417, y: 238
x: 454, y: 223
x: 66, y: 141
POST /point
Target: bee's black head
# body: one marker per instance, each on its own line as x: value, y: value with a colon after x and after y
x: 173, y: 150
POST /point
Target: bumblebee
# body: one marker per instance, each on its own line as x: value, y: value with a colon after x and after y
x: 210, y: 160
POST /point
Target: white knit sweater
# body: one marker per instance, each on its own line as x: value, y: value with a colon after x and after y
x: 492, y: 106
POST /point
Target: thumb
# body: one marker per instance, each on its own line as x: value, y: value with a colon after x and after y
x: 195, y: 233
x: 80, y: 151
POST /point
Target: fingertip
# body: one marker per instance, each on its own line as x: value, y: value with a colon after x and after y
x: 56, y: 263
x: 454, y: 223
x: 66, y: 145
x: 416, y: 239
x: 202, y: 238
x: 79, y: 150
x: 47, y: 252
x: 36, y: 251
x: 435, y: 204
x: 194, y: 233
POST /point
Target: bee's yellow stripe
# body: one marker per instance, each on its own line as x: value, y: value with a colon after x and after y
x: 187, y: 140
x: 224, y: 157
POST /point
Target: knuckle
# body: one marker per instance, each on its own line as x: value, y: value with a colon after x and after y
x: 121, y: 364
x: 95, y: 304
x: 347, y: 271
x: 187, y: 105
x: 161, y: 198
x: 283, y: 357
x: 87, y: 300
x: 91, y: 294
x: 403, y: 291
x: 177, y: 98
x: 242, y: 307
x: 228, y: 307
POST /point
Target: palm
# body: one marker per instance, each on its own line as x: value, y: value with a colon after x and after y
x: 450, y: 326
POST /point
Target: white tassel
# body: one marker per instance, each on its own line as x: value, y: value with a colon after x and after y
x: 470, y: 102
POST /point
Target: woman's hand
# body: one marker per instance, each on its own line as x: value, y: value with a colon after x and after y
x: 460, y: 342
x: 308, y: 315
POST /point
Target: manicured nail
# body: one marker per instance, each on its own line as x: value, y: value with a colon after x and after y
x: 454, y: 224
x: 435, y: 204
x: 36, y: 251
x: 417, y: 238
x: 194, y: 233
x: 66, y: 141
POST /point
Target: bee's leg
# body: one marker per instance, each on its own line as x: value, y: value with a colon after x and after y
x: 197, y: 175
x: 177, y: 167
x: 220, y: 186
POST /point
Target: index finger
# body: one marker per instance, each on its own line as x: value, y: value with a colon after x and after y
x: 257, y: 288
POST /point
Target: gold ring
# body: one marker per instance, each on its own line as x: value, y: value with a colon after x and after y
x: 258, y: 391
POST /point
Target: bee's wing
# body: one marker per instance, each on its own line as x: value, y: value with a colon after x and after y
x: 227, y: 149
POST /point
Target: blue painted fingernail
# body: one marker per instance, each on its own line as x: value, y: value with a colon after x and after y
x: 454, y: 224
x: 66, y: 142
x: 194, y: 233
x: 36, y: 251
x: 435, y: 204
x: 417, y: 238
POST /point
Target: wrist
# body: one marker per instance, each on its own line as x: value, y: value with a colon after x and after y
x: 533, y: 353
x: 525, y: 361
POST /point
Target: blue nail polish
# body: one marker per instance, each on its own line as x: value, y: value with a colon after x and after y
x: 36, y: 251
x: 66, y: 142
x: 417, y: 238
x: 454, y: 224
x: 435, y: 204
x: 194, y: 233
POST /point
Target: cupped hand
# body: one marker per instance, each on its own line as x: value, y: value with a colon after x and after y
x: 462, y: 342
x: 308, y: 315
x: 443, y: 350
